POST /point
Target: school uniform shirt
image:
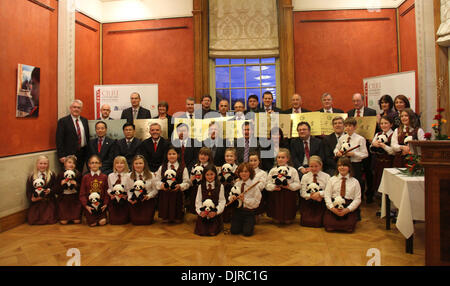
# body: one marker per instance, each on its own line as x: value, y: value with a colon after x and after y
x: 124, y: 180
x: 183, y: 186
x: 199, y: 199
x: 355, y: 139
x: 386, y: 148
x: 294, y: 181
x: 394, y: 141
x: 149, y: 186
x: 308, y: 178
x: 252, y: 198
x: 352, y: 191
x: 261, y: 177
x: 86, y: 185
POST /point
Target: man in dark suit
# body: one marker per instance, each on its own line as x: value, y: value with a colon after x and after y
x: 329, y: 144
x: 327, y: 104
x: 253, y: 103
x: 304, y: 147
x: 128, y: 146
x: 135, y: 111
x: 296, y: 101
x: 216, y: 143
x: 105, y: 110
x: 360, y: 111
x: 104, y: 147
x: 246, y: 144
x: 206, y: 104
x: 154, y: 149
x: 72, y: 135
x: 268, y: 103
x: 186, y: 146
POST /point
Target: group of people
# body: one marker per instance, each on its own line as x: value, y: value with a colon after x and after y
x: 324, y: 177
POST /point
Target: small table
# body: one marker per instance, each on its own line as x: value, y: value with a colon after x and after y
x: 408, y: 194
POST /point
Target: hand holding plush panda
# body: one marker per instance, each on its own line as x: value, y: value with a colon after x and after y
x: 234, y: 194
x: 281, y: 177
x: 67, y: 185
x: 39, y: 191
x: 226, y: 175
x: 407, y: 140
x: 196, y: 173
x: 376, y: 145
x: 138, y: 192
x: 208, y: 209
x: 339, y: 203
x: 95, y: 203
x: 118, y: 193
x: 169, y: 179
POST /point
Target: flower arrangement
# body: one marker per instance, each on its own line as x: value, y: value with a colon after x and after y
x: 437, y: 127
x: 413, y: 166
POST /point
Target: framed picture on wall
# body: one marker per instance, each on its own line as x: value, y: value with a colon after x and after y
x: 28, y: 87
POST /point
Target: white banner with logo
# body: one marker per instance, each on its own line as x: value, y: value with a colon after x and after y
x: 117, y: 96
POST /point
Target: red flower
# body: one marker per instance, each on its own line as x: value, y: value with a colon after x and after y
x: 440, y: 110
x: 437, y: 117
x: 427, y: 135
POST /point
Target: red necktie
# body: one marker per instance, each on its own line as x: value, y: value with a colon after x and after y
x: 358, y: 113
x: 306, y: 149
x: 407, y: 130
x: 99, y: 147
x: 78, y: 133
x: 172, y: 167
x: 141, y: 178
x: 155, y: 145
x: 119, y: 181
x: 343, y: 187
x: 182, y: 153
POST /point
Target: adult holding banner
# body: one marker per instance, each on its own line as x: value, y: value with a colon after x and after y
x: 135, y: 111
x: 268, y: 103
x: 327, y: 104
x: 216, y: 143
x: 360, y: 110
x: 246, y: 144
x: 128, y: 146
x: 186, y: 146
x: 154, y: 148
x: 104, y: 147
x: 163, y: 108
x: 72, y: 135
x: 296, y: 103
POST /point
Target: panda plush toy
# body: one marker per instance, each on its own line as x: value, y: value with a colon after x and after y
x: 345, y: 147
x: 381, y: 138
x: 38, y: 185
x: 138, y: 192
x: 339, y: 202
x: 197, y: 173
x: 169, y: 179
x: 281, y: 177
x: 234, y: 193
x: 118, y: 191
x: 68, y: 187
x: 407, y: 140
x: 227, y: 175
x: 207, y: 207
x: 312, y: 188
x: 96, y: 203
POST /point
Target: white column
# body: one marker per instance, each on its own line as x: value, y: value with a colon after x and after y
x: 66, y: 55
x: 426, y: 61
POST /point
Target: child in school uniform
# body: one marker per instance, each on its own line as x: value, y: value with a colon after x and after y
x: 94, y: 182
x: 312, y: 205
x: 119, y: 208
x: 345, y: 186
x: 408, y: 127
x: 243, y: 220
x: 261, y: 177
x: 383, y: 152
x: 209, y: 223
x: 230, y: 158
x: 69, y: 205
x: 357, y: 155
x: 205, y: 158
x: 42, y: 209
x: 282, y: 200
x: 142, y: 212
x: 170, y: 204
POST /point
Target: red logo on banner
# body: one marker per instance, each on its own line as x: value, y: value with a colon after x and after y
x: 97, y: 99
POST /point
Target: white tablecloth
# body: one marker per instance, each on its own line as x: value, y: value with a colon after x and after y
x: 408, y: 195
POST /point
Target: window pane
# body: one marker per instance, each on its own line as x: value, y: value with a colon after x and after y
x: 222, y: 77
x: 252, y: 61
x: 237, y: 61
x: 222, y: 94
x: 255, y: 91
x: 268, y: 76
x: 253, y: 73
x: 237, y: 76
x: 222, y: 62
x: 268, y: 60
x: 237, y: 94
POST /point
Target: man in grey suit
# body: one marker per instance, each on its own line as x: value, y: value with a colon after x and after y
x: 135, y: 111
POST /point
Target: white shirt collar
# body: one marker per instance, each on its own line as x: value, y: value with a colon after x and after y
x: 330, y: 110
x: 95, y: 173
x: 138, y: 174
x: 75, y: 118
x: 176, y: 164
x: 129, y: 140
x: 213, y: 184
x: 340, y: 176
x: 248, y: 182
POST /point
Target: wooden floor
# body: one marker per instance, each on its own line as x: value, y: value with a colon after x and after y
x: 162, y: 244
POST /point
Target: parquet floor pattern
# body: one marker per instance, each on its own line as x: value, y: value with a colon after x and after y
x: 163, y: 244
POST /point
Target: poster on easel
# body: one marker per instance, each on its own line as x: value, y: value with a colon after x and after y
x: 28, y: 89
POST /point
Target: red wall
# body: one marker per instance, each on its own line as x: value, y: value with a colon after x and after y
x: 87, y: 62
x: 165, y: 57
x: 334, y: 57
x: 28, y: 35
x: 408, y: 45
